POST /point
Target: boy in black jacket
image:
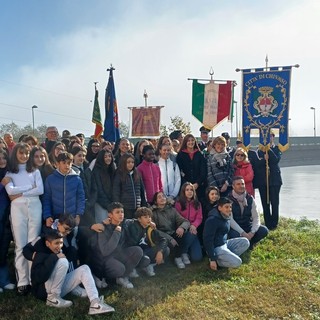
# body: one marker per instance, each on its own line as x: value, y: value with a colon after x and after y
x: 154, y: 245
x: 49, y: 276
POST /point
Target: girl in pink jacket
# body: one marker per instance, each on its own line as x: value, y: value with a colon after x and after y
x: 189, y: 207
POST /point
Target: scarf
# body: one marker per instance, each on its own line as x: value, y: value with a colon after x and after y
x: 220, y: 157
x: 241, y: 198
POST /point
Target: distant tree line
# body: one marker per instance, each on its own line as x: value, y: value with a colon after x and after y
x: 177, y: 123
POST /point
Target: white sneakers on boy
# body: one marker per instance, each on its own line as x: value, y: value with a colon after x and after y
x: 100, y: 284
x: 9, y: 286
x: 179, y: 263
x: 134, y: 274
x: 185, y: 258
x: 79, y: 292
x: 97, y: 306
x: 57, y: 302
x: 149, y: 270
x: 125, y: 283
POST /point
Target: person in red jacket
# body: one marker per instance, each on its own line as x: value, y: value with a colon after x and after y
x: 150, y: 173
x: 243, y: 168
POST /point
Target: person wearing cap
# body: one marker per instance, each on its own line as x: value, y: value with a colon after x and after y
x: 227, y: 138
x: 81, y: 137
x: 259, y: 163
x: 204, y: 135
x: 66, y: 134
x: 176, y: 134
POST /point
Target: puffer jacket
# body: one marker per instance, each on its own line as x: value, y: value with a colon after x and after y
x: 130, y: 193
x: 63, y: 194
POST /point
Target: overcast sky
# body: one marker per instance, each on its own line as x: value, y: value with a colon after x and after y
x: 53, y: 51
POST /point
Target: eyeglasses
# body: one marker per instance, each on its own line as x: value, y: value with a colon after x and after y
x: 95, y: 145
x: 240, y: 155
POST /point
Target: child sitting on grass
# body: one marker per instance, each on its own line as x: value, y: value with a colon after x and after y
x: 153, y: 243
x: 49, y: 277
x: 222, y: 252
x: 65, y: 225
x: 109, y: 256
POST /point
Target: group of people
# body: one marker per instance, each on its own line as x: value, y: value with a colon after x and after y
x: 85, y: 216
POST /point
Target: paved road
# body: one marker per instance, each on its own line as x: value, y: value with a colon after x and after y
x: 303, y: 155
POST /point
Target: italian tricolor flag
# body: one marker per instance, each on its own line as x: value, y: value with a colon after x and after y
x: 211, y: 102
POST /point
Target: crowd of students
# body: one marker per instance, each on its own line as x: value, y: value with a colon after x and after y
x: 85, y: 216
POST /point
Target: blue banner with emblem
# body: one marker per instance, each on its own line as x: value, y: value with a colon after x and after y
x: 265, y: 97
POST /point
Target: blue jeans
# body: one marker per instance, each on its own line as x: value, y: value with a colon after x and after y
x: 228, y: 254
x: 191, y: 244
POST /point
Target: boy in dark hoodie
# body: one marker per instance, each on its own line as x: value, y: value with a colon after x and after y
x: 222, y: 252
x: 153, y: 243
x: 49, y: 277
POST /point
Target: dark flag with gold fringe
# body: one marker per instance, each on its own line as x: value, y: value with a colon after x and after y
x: 266, y: 96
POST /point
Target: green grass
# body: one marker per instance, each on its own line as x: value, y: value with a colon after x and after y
x: 279, y: 279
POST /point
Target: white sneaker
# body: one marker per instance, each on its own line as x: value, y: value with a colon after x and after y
x: 149, y: 270
x: 98, y: 306
x: 134, y: 274
x: 100, y: 284
x: 125, y: 283
x: 79, y: 292
x: 58, y: 302
x: 9, y: 286
x: 185, y: 258
x: 179, y: 263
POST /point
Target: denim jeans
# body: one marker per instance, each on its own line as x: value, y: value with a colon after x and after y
x: 191, y: 245
x: 228, y: 254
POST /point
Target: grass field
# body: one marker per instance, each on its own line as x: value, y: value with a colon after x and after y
x: 279, y: 279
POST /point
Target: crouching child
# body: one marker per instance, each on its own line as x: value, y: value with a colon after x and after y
x: 50, y: 278
x: 222, y: 252
x: 110, y: 257
x: 151, y: 241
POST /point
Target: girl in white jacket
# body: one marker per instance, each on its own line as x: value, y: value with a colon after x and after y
x: 24, y: 185
x: 170, y: 173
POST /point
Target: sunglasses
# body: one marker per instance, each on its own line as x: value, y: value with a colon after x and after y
x: 240, y: 155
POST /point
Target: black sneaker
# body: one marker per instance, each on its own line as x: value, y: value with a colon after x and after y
x: 23, y: 290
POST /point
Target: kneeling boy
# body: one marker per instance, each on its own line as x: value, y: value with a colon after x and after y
x: 49, y: 276
x: 222, y: 252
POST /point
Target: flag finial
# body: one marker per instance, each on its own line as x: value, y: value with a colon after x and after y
x: 266, y: 60
x: 145, y: 96
x: 111, y: 68
x: 211, y: 72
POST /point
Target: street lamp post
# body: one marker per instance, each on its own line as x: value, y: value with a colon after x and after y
x: 314, y: 120
x: 33, y: 107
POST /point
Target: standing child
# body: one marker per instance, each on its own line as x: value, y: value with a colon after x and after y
x: 24, y: 187
x: 222, y: 252
x: 63, y: 192
x: 5, y: 230
x: 50, y: 280
x: 150, y: 173
x: 128, y: 187
x: 189, y: 207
